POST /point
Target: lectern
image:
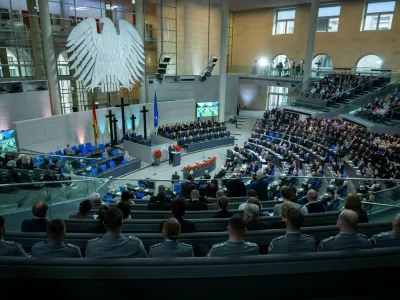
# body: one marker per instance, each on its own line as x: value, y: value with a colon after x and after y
x: 176, y: 158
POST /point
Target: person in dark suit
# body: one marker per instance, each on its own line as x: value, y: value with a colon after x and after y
x: 221, y: 173
x: 175, y: 177
x: 236, y: 187
x: 39, y: 221
x: 261, y: 187
x: 160, y: 202
x: 84, y: 210
x: 195, y: 204
x: 99, y: 227
x: 211, y: 188
x: 223, y: 208
x: 178, y: 208
x: 187, y: 187
x: 170, y: 150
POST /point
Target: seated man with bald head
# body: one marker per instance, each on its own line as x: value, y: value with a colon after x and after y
x: 312, y: 206
x: 39, y: 221
x: 347, y: 239
x: 388, y: 239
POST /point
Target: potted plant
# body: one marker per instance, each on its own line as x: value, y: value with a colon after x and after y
x: 157, y: 156
x: 177, y: 148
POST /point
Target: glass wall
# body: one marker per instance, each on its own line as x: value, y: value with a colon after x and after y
x: 277, y: 96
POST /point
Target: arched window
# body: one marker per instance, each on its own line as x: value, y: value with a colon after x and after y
x: 281, y: 58
x: 322, y: 61
x: 368, y: 62
x: 25, y: 64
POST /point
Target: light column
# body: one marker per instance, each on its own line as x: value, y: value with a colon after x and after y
x: 312, y: 31
x: 223, y: 59
x: 140, y: 29
x: 49, y: 57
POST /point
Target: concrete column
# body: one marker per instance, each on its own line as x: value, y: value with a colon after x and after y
x: 223, y: 59
x: 49, y: 57
x: 37, y: 50
x: 312, y: 31
x: 4, y: 61
x: 140, y: 29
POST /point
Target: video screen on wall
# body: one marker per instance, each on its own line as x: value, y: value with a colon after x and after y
x: 7, y: 140
x: 207, y: 109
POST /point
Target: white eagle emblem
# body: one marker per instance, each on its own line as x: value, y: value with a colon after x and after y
x: 107, y: 61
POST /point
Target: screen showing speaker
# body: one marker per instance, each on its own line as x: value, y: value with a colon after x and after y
x: 207, y: 109
x: 7, y: 140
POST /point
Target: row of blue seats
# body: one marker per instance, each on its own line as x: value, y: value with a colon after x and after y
x: 104, y: 167
x: 84, y: 148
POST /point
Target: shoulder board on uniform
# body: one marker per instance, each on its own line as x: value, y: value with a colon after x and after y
x: 156, y: 245
x: 251, y: 244
x: 382, y: 234
x: 329, y: 239
x: 133, y: 238
x: 93, y: 240
x: 277, y: 238
x: 11, y: 243
x: 308, y: 236
x: 186, y: 245
x: 218, y: 245
x: 73, y: 246
x: 362, y: 235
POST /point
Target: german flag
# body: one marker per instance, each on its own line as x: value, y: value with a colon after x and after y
x: 94, y: 121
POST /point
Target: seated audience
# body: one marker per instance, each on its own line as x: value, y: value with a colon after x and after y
x: 286, y: 206
x: 178, y: 210
x: 162, y: 193
x: 99, y: 227
x: 187, y: 187
x: 125, y: 207
x: 171, y: 247
x: 287, y: 196
x: 96, y: 199
x: 293, y: 241
x: 125, y: 196
x: 162, y: 203
x: 55, y: 247
x: 261, y: 187
x: 250, y: 214
x: 389, y: 238
x: 211, y: 188
x: 353, y: 202
x: 206, y: 175
x: 8, y: 248
x: 84, y: 210
x: 39, y: 221
x: 114, y: 244
x: 223, y: 208
x: 236, y: 187
x: 235, y: 246
x: 312, y: 206
x: 250, y: 194
x: 347, y: 239
x: 194, y: 203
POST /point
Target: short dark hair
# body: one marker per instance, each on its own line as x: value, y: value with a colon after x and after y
x: 223, y: 202
x: 124, y: 207
x: 295, y: 218
x: 287, y: 192
x: 251, y: 193
x: 56, y: 229
x: 215, y: 181
x: 102, y: 213
x: 237, y: 225
x: 113, y: 218
x: 2, y: 221
x: 178, y: 208
x: 39, y: 209
x: 85, y: 206
x: 125, y: 196
x: 189, y: 177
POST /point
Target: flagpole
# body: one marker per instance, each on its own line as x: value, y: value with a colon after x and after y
x: 94, y: 128
x: 155, y: 90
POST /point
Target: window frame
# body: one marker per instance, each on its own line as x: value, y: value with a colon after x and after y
x: 275, y: 27
x: 379, y: 14
x: 329, y: 17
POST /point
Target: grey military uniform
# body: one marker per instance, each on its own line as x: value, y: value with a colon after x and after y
x: 171, y: 249
x: 233, y: 249
x: 344, y: 241
x: 53, y: 250
x: 277, y: 208
x: 292, y: 242
x: 10, y: 248
x: 115, y: 246
x: 386, y: 239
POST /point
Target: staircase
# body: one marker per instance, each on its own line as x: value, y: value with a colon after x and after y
x: 367, y: 91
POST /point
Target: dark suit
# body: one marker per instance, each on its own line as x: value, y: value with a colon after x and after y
x: 34, y: 225
x: 186, y: 188
x: 170, y: 149
x: 175, y: 178
x: 236, y: 188
x: 224, y: 214
x: 196, y: 205
x: 160, y: 206
x: 256, y: 225
x: 261, y: 187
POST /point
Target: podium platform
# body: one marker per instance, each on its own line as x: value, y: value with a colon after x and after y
x: 176, y: 158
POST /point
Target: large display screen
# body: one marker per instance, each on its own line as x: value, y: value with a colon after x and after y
x: 7, y: 140
x: 207, y: 109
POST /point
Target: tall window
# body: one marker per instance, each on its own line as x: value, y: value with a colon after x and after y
x: 284, y: 21
x: 378, y: 15
x: 328, y: 18
x: 277, y: 96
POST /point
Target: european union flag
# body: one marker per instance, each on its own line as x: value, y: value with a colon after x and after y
x: 155, y: 110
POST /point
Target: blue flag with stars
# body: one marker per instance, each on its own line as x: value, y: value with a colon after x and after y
x: 155, y: 110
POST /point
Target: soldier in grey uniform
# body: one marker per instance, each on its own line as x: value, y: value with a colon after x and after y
x: 389, y: 238
x: 235, y: 246
x: 293, y: 241
x: 171, y: 247
x: 55, y: 247
x: 114, y: 244
x: 347, y: 239
x: 9, y: 248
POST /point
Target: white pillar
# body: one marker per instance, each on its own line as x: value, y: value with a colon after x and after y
x: 312, y: 31
x: 223, y: 59
x: 49, y: 57
x: 140, y: 29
